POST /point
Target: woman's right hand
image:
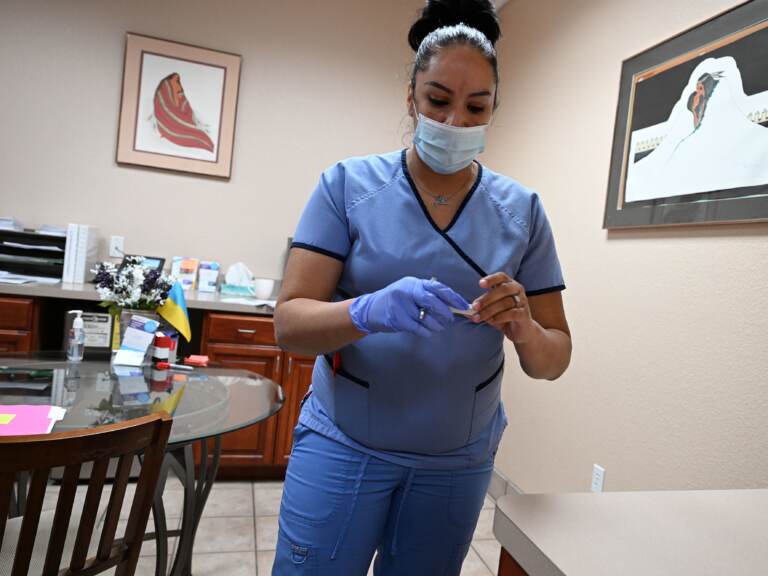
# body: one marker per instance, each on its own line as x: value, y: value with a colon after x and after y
x: 408, y: 305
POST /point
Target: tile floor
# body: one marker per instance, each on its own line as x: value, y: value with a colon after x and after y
x: 238, y: 531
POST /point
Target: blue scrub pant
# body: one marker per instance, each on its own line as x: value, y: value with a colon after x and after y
x: 340, y: 506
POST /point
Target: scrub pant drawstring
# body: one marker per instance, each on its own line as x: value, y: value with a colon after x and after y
x: 352, y: 504
x: 407, y: 489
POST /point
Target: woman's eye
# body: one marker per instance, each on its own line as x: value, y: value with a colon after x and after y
x: 436, y: 102
x: 476, y: 109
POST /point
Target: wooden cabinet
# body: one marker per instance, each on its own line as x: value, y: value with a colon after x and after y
x: 18, y: 324
x: 248, y: 342
x: 297, y: 376
x: 252, y: 446
x: 15, y: 341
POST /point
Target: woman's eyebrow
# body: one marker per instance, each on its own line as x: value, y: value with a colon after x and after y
x: 438, y: 85
x: 446, y: 89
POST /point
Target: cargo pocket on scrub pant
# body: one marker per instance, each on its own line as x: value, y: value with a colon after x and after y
x: 351, y: 405
x: 292, y: 558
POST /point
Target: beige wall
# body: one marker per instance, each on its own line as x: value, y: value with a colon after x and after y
x: 668, y: 387
x: 321, y: 80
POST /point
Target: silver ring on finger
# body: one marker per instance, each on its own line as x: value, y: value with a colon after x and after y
x: 518, y: 302
x: 422, y: 314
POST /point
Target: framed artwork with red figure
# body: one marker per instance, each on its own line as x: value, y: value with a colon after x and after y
x: 178, y: 109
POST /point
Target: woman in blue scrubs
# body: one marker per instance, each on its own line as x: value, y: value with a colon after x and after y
x: 407, y: 273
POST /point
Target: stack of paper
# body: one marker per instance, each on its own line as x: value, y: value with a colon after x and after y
x: 10, y: 224
x: 24, y: 419
x: 80, y: 253
x: 50, y: 230
x: 8, y: 278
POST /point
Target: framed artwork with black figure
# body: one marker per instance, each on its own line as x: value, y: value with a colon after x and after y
x: 690, y: 143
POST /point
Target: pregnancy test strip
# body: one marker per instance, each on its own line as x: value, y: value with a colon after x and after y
x: 468, y: 313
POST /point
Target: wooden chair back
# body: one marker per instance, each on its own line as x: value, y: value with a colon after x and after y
x: 39, y: 454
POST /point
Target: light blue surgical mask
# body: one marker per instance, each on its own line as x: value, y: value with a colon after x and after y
x: 447, y: 149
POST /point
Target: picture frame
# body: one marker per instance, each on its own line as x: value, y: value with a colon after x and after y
x: 178, y: 106
x: 150, y: 262
x: 690, y: 143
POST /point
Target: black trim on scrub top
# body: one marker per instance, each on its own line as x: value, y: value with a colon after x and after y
x: 485, y: 383
x: 558, y: 288
x: 341, y: 372
x: 319, y: 250
x: 444, y: 233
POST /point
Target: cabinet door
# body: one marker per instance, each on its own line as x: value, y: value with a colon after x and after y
x: 254, y: 445
x: 16, y: 313
x: 18, y: 324
x: 297, y: 377
x: 15, y: 341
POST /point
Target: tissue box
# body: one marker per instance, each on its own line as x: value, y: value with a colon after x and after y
x: 207, y: 276
x: 237, y: 290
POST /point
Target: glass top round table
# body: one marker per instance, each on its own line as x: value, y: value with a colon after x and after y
x: 204, y: 402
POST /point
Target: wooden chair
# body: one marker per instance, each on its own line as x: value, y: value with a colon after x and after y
x: 38, y: 454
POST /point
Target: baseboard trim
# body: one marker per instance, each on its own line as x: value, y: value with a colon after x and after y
x: 500, y: 485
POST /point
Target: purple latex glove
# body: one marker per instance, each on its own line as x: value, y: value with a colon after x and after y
x: 397, y: 307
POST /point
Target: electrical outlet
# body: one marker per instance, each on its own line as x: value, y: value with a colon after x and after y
x: 116, y: 244
x: 598, y: 477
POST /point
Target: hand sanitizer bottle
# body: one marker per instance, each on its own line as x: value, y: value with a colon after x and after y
x: 76, y: 340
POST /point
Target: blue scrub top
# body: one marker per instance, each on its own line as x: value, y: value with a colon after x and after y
x: 427, y: 402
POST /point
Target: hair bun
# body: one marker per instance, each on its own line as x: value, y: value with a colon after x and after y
x: 478, y: 14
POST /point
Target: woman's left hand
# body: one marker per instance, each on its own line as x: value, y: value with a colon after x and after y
x: 505, y: 307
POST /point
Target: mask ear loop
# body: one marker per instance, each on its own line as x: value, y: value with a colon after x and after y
x: 415, y: 112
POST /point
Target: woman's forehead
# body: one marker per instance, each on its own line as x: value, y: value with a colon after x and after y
x: 459, y: 62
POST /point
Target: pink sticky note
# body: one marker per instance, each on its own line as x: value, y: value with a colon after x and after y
x: 29, y: 419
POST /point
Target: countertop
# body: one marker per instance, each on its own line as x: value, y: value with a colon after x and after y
x: 195, y: 300
x: 669, y: 533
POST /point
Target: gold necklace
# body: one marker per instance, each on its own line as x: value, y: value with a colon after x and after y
x: 444, y: 199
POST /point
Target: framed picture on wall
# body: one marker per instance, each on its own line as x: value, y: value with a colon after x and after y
x: 178, y: 108
x: 690, y: 144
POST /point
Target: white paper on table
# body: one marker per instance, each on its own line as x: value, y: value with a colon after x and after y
x: 55, y: 414
x: 127, y: 357
x: 136, y: 336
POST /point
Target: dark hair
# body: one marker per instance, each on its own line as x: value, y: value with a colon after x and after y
x: 446, y: 23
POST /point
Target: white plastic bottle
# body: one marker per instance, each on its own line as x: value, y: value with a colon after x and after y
x: 76, y: 340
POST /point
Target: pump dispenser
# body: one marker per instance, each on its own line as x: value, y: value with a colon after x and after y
x: 76, y: 340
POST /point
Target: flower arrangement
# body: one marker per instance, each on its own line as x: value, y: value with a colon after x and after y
x: 131, y: 285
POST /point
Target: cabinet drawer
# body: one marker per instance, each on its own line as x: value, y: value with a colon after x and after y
x: 15, y: 341
x: 16, y: 313
x: 237, y: 329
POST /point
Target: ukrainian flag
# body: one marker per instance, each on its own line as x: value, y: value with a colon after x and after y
x: 175, y: 311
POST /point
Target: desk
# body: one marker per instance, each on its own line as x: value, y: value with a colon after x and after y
x: 87, y: 293
x: 90, y: 391
x: 681, y: 533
